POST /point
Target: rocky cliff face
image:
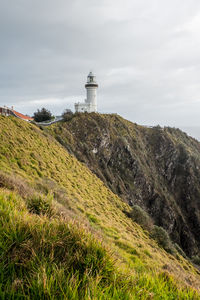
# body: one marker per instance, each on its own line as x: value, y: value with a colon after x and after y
x: 156, y: 168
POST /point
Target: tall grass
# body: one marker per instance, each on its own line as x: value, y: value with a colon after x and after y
x: 43, y: 256
x: 49, y: 258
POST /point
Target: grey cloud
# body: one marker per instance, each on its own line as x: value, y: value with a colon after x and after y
x: 146, y: 55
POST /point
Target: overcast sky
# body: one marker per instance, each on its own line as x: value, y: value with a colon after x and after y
x: 145, y: 54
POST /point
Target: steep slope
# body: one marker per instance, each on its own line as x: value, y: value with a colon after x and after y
x: 45, y: 257
x: 36, y: 253
x: 156, y: 168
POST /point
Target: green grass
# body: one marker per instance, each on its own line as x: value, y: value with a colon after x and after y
x: 51, y: 258
x: 60, y: 225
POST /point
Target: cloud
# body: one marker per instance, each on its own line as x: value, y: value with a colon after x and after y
x: 146, y: 55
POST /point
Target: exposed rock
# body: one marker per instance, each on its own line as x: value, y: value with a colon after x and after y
x: 158, y: 169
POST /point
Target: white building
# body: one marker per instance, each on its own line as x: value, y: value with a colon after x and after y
x: 90, y: 104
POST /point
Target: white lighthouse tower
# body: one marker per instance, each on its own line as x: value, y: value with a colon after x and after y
x: 90, y: 104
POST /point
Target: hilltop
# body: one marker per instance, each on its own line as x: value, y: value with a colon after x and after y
x: 64, y: 233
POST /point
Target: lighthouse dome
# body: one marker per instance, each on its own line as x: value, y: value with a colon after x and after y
x: 91, y: 80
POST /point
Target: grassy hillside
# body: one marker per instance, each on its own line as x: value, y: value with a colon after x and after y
x: 64, y: 234
x: 155, y: 168
x: 52, y: 258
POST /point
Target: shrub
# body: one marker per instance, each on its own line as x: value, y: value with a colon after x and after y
x: 141, y: 217
x: 42, y: 115
x: 162, y: 238
x: 67, y: 115
x: 41, y: 205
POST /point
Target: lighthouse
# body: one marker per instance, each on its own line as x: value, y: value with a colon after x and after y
x: 90, y: 104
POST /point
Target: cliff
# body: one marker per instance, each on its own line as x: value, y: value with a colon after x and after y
x: 156, y: 168
x: 64, y: 234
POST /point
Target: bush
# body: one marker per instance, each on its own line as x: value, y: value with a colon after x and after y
x: 42, y: 115
x: 67, y: 115
x: 41, y: 205
x: 140, y: 216
x: 162, y: 238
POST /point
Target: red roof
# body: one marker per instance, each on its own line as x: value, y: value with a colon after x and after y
x: 21, y: 116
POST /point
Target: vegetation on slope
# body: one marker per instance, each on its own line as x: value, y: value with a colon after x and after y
x: 40, y: 232
x: 155, y: 168
x: 51, y: 258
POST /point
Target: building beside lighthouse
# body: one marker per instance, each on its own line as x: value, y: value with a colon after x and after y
x: 90, y: 104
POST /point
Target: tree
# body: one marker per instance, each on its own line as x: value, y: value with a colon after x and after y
x: 42, y: 115
x: 67, y: 115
